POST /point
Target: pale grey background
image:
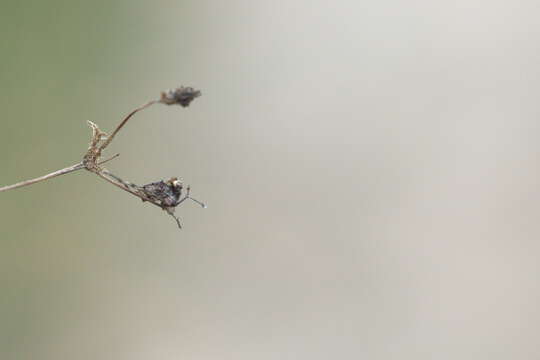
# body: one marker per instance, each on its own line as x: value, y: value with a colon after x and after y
x: 371, y: 170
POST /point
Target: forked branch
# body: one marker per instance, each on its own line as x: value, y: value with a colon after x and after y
x: 167, y: 195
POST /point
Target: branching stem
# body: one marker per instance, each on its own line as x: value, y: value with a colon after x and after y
x: 92, y: 159
x: 64, y: 171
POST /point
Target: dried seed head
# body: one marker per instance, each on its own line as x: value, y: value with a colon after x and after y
x: 167, y: 193
x: 182, y: 96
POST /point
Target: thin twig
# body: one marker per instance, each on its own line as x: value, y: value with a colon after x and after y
x: 109, y: 159
x: 64, y: 171
x: 130, y: 188
x: 121, y: 125
x: 182, y: 96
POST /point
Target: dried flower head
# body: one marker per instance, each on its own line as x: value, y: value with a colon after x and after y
x: 167, y: 193
x: 182, y: 96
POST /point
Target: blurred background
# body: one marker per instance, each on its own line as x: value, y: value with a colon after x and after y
x: 371, y: 170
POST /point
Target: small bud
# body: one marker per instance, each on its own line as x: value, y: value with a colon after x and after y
x: 182, y: 96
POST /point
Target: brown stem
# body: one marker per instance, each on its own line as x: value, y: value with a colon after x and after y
x: 109, y: 159
x: 121, y: 125
x: 91, y: 160
x: 64, y: 171
x: 132, y: 189
x: 115, y: 180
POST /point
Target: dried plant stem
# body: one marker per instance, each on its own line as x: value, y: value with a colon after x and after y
x: 121, y: 125
x: 96, y: 138
x: 130, y: 188
x: 135, y: 190
x: 160, y: 197
x: 64, y: 171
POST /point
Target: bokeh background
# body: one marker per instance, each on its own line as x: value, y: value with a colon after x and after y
x: 371, y: 169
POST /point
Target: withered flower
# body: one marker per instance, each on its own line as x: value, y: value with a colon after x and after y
x: 166, y: 195
x: 182, y: 96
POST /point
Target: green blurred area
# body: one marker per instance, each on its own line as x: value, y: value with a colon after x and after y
x: 62, y: 63
x: 57, y: 72
x: 74, y: 248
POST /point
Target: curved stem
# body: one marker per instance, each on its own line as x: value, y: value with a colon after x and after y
x: 121, y: 125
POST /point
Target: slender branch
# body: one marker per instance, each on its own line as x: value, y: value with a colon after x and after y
x: 130, y: 188
x: 64, y: 171
x: 109, y: 159
x: 165, y: 196
x: 182, y: 96
x: 121, y: 125
x: 133, y: 189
